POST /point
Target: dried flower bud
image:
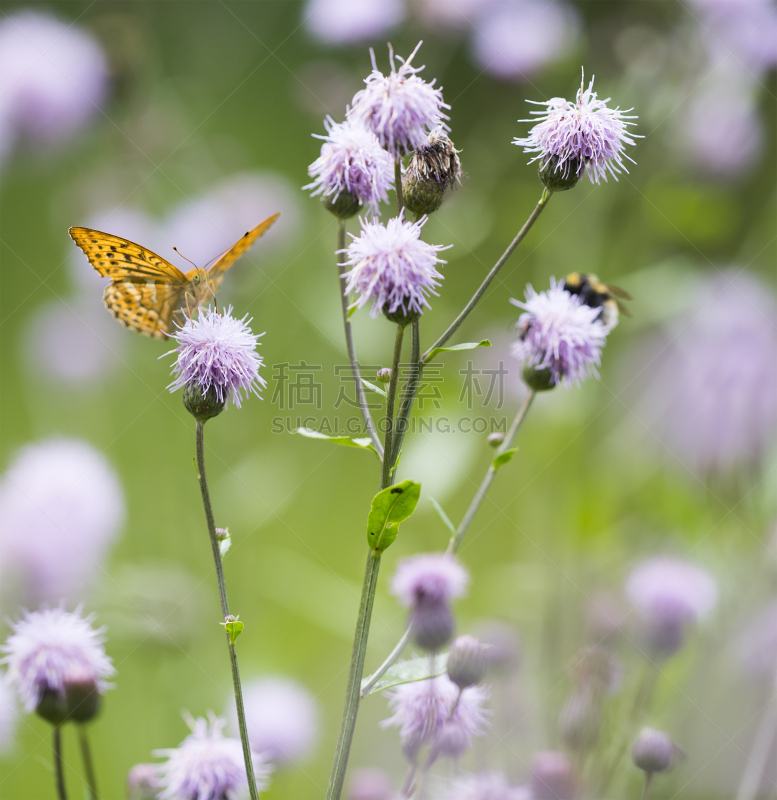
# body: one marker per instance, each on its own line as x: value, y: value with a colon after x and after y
x: 552, y: 777
x: 495, y: 438
x: 384, y: 375
x: 432, y: 624
x: 202, y: 405
x: 466, y: 662
x: 435, y: 167
x: 653, y: 751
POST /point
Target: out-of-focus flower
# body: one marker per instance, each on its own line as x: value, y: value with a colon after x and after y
x: 429, y: 576
x: 282, y: 719
x: 143, y: 782
x: 552, y: 777
x: 514, y: 40
x: 74, y: 343
x: 399, y: 108
x: 572, y: 138
x: 53, y: 76
x: 653, y: 751
x: 217, y: 353
x: 370, y: 784
x: 344, y: 21
x: 352, y: 163
x: 483, y: 786
x: 711, y: 399
x: 208, y: 766
x: 56, y: 657
x: 502, y: 646
x: 61, y: 507
x: 669, y: 595
x: 757, y: 645
x: 559, y: 336
x: 466, y: 661
x: 8, y: 715
x: 454, y: 14
x: 437, y: 713
x: 392, y: 267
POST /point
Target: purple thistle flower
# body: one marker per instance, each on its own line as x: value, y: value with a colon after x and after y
x: 484, y: 786
x: 437, y: 713
x: 345, y: 21
x: 369, y: 783
x: 552, y: 777
x: 52, y: 648
x: 219, y: 351
x: 559, y: 333
x: 399, y: 108
x: 352, y: 161
x: 282, y: 718
x: 391, y: 266
x: 577, y: 136
x: 429, y: 576
x: 669, y: 594
x: 207, y: 765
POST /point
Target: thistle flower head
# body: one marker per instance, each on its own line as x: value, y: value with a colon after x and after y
x: 217, y: 352
x: 353, y: 162
x: 51, y: 649
x: 559, y: 334
x: 437, y: 713
x: 207, y: 765
x: 653, y: 751
x: 572, y: 137
x: 399, y: 108
x: 392, y: 267
x: 429, y: 576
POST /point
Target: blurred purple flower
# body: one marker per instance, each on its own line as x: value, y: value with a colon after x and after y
x: 453, y: 14
x: 217, y: 350
x: 393, y: 267
x: 552, y: 777
x: 370, y: 784
x: 429, y: 576
x: 582, y: 136
x: 399, y: 108
x: 8, y: 715
x: 208, y: 766
x: 61, y: 507
x: 345, y: 21
x: 352, y: 161
x: 53, y: 76
x: 483, y: 786
x: 559, y: 333
x: 711, y: 397
x: 437, y: 713
x: 513, y: 40
x: 143, y: 782
x: 51, y: 648
x: 669, y: 595
x: 282, y: 718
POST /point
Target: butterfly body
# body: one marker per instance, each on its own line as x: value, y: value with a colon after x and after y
x: 147, y: 293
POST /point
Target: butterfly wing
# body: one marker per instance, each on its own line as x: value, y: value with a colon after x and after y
x: 145, y: 292
x: 216, y: 272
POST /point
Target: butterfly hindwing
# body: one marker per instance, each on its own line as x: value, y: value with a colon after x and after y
x: 147, y: 308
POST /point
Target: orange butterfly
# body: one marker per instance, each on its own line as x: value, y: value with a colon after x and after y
x: 148, y: 294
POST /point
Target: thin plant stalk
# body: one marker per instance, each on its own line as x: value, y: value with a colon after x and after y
x: 398, y: 184
x: 759, y: 754
x: 453, y: 327
x: 360, y: 394
x: 362, y: 633
x: 410, y: 390
x: 648, y: 786
x: 86, y: 757
x: 455, y: 541
x: 59, y: 768
x: 238, y: 689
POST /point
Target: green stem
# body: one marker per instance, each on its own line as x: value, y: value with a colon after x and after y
x: 452, y: 328
x: 398, y: 184
x: 758, y: 757
x: 58, y: 764
x: 241, y: 714
x: 353, y: 695
x: 409, y: 393
x: 388, y: 461
x: 485, y: 484
x: 360, y: 395
x: 648, y: 786
x: 86, y: 757
x: 455, y: 541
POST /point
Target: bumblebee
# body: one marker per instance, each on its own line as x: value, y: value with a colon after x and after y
x: 596, y: 294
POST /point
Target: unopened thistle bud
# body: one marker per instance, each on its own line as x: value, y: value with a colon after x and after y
x: 466, y: 662
x: 653, y: 751
x: 435, y: 167
x: 495, y: 438
x: 432, y: 624
x: 384, y: 375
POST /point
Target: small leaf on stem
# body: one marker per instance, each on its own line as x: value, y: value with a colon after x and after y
x: 503, y: 458
x: 233, y: 626
x: 390, y: 506
x: 415, y: 669
x: 362, y: 443
x: 453, y: 348
x: 373, y: 388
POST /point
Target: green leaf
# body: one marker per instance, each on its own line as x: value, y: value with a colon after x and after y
x: 351, y: 311
x: 443, y: 516
x: 225, y: 543
x: 392, y: 505
x: 233, y: 626
x: 503, y: 458
x: 455, y: 347
x: 415, y: 669
x: 373, y: 388
x: 363, y: 443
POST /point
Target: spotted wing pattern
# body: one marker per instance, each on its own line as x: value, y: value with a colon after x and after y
x: 216, y: 272
x: 148, y: 308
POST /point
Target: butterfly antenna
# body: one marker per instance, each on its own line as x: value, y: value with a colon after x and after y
x: 184, y: 257
x: 215, y: 258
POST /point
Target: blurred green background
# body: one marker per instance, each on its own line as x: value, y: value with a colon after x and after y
x: 203, y: 91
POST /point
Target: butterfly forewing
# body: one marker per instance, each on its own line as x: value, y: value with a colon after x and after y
x: 147, y: 308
